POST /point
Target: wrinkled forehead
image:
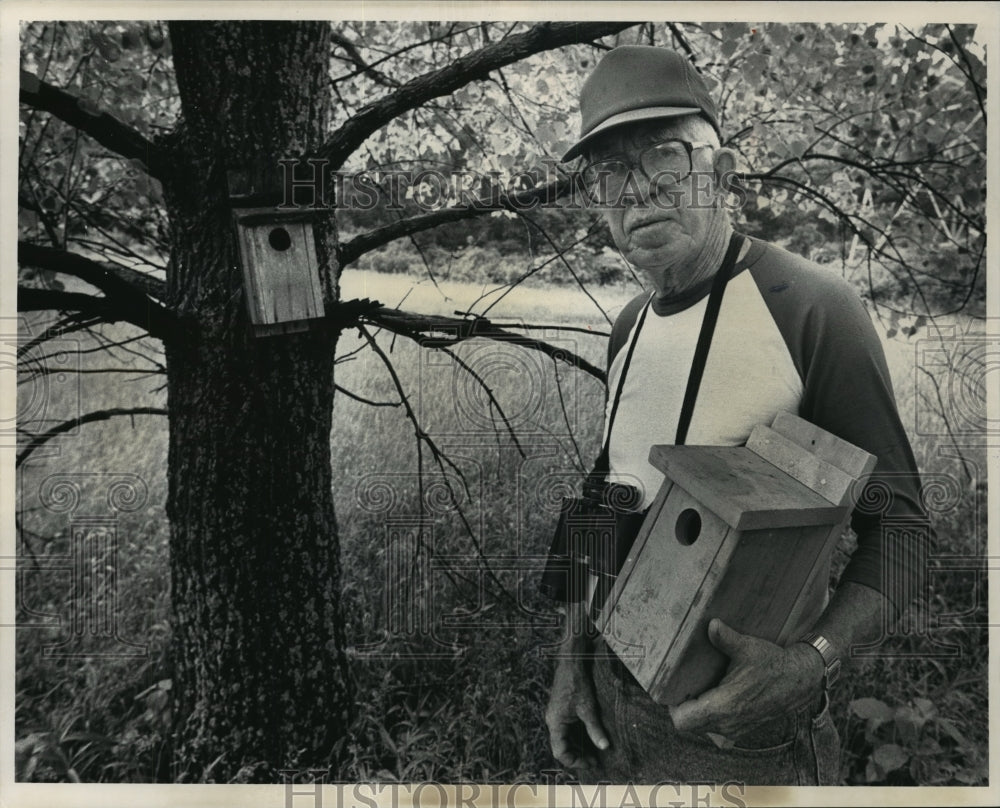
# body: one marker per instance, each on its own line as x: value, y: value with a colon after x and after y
x: 631, y: 138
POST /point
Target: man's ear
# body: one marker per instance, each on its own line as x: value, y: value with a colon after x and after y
x: 724, y: 167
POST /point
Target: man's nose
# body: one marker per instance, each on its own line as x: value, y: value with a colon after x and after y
x: 638, y: 191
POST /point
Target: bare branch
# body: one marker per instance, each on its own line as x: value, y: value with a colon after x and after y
x: 421, y: 435
x: 560, y: 254
x: 512, y: 285
x: 32, y: 299
x: 849, y: 220
x: 128, y: 292
x: 106, y: 129
x: 494, y: 402
x: 943, y: 409
x: 892, y: 173
x: 579, y: 329
x: 46, y: 370
x: 90, y: 307
x: 363, y: 67
x: 681, y: 40
x: 451, y: 330
x: 400, y: 51
x: 43, y: 215
x: 367, y: 401
x: 565, y: 415
x: 977, y: 88
x: 439, y: 457
x: 522, y: 200
x: 112, y: 279
x: 965, y: 70
x: 472, y: 67
x: 100, y: 415
x: 65, y: 325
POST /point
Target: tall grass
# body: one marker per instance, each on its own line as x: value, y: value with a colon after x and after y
x: 446, y: 631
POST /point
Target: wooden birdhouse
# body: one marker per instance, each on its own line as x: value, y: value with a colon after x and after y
x: 277, y: 252
x: 280, y: 270
x: 738, y: 533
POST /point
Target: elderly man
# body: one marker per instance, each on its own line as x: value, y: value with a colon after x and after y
x: 789, y: 336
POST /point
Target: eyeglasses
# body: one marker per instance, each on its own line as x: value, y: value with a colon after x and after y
x: 664, y: 163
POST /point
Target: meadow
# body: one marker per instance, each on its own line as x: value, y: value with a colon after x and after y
x: 448, y: 637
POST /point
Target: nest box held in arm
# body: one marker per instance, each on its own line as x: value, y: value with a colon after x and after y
x: 277, y: 251
x: 739, y: 533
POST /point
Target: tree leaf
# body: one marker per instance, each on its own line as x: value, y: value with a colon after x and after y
x: 908, y: 721
x: 926, y: 706
x: 868, y: 708
x: 890, y: 756
x: 798, y: 148
x: 872, y: 772
x: 130, y: 39
x: 971, y: 775
x: 107, y: 47
x: 952, y: 731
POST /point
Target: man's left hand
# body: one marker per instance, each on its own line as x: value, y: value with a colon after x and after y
x: 762, y: 682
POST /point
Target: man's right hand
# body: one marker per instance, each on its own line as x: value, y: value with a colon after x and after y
x: 571, y: 703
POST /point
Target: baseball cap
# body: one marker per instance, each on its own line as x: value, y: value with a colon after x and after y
x: 640, y: 83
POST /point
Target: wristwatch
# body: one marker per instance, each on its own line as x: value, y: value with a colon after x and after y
x: 830, y: 659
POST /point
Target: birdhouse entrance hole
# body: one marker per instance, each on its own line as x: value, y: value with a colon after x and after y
x: 279, y: 239
x: 688, y: 526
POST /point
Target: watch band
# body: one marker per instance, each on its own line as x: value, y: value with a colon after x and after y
x: 830, y: 660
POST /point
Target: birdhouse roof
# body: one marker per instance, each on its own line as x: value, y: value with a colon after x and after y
x: 743, y: 489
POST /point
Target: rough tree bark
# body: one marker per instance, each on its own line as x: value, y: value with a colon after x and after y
x: 260, y: 676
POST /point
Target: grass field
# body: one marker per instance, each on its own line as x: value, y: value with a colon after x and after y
x: 445, y: 626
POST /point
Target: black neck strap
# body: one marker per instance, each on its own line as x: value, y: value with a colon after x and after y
x: 711, y: 316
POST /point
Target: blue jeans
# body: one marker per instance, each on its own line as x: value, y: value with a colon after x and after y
x: 800, y: 748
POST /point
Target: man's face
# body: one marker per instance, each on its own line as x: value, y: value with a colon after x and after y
x: 661, y: 227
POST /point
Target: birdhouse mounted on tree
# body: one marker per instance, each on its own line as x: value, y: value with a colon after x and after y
x: 277, y: 252
x: 280, y: 270
x: 738, y: 533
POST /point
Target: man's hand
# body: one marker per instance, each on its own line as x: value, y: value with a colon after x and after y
x: 572, y: 701
x: 762, y: 682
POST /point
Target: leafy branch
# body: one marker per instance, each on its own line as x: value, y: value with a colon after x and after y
x: 471, y: 67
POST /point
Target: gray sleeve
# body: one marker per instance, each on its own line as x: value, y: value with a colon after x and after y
x: 848, y: 392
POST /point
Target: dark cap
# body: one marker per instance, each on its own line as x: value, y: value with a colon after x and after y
x: 640, y: 83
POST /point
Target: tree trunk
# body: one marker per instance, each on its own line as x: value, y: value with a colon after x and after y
x: 259, y: 673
